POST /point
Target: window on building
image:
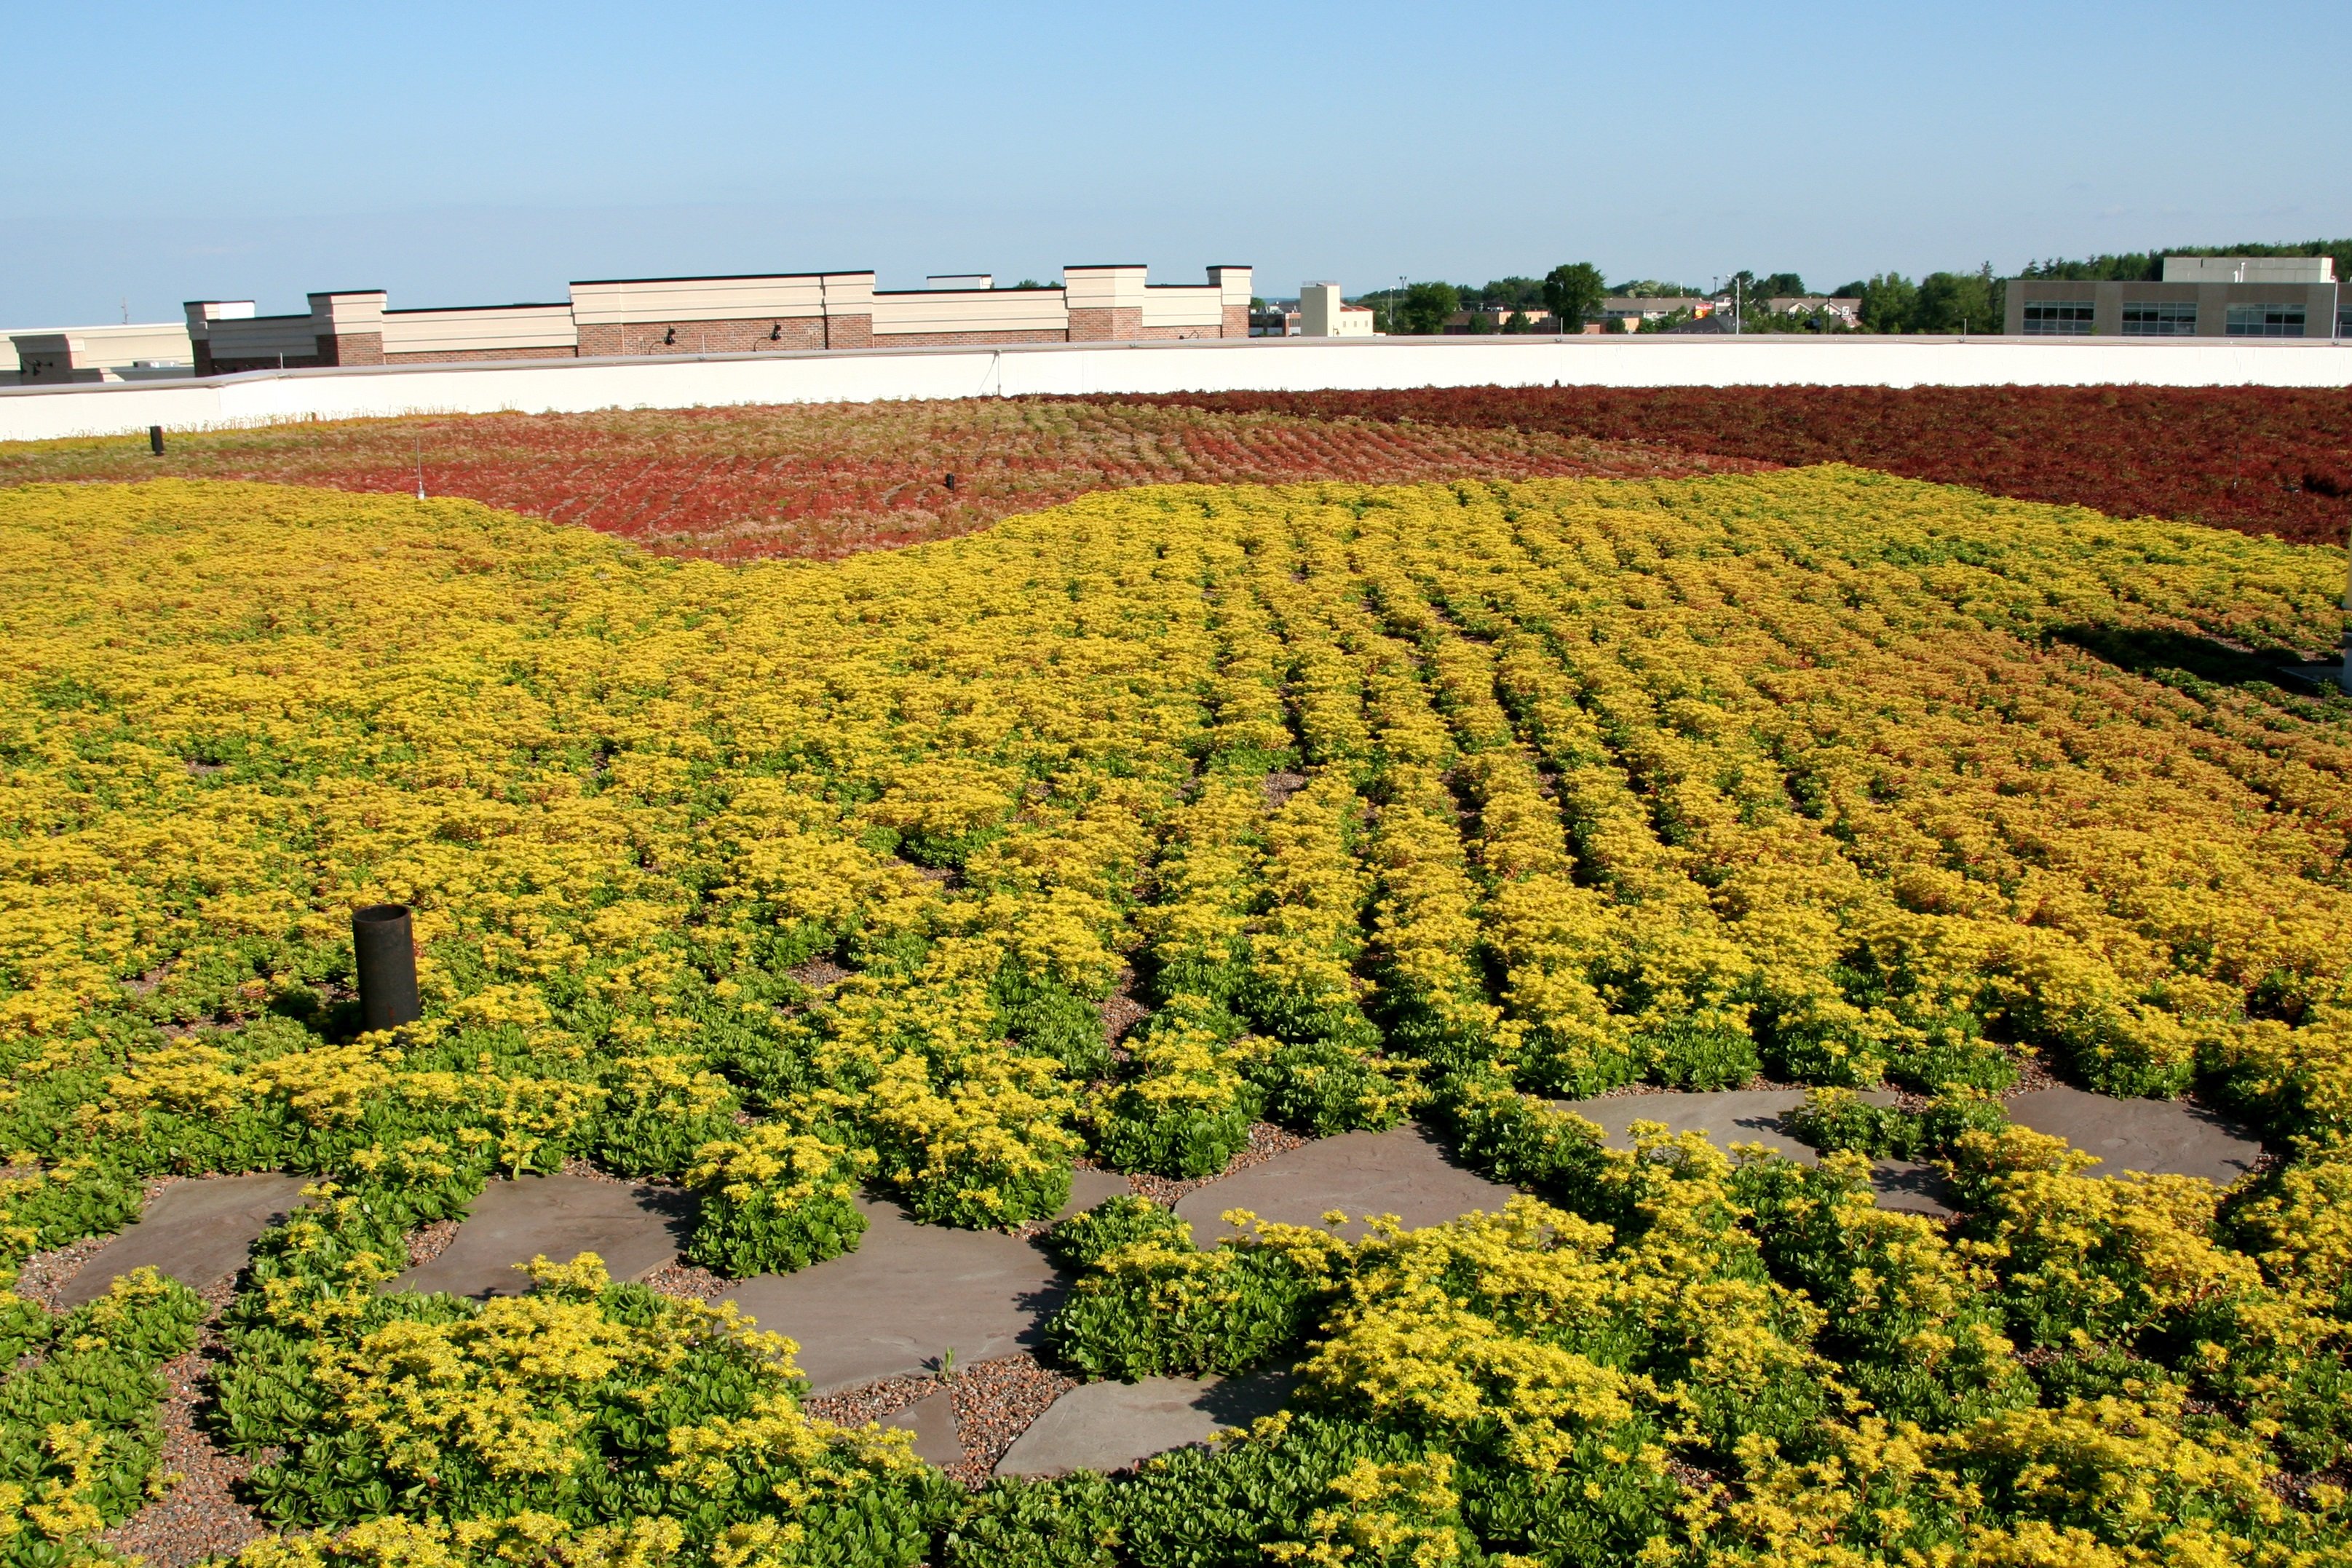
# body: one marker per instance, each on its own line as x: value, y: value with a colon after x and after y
x: 2160, y: 318
x: 2265, y: 321
x: 2058, y: 318
x: 2344, y: 321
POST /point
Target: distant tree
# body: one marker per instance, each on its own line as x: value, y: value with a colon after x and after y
x: 1848, y: 290
x: 1887, y: 300
x: 1780, y: 286
x: 1955, y: 301
x: 1574, y: 292
x: 1482, y: 323
x: 1422, y: 312
x: 1518, y: 321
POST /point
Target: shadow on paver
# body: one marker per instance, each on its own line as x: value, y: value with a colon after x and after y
x: 196, y: 1231
x: 909, y: 1295
x: 635, y: 1229
x: 1405, y: 1172
x: 2162, y: 1137
x: 1106, y: 1427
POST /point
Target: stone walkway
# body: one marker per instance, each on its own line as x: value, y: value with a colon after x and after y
x: 1732, y: 1117
x: 1106, y: 1427
x: 198, y: 1232
x: 635, y: 1229
x: 907, y: 1297
x: 2162, y: 1137
x: 1405, y: 1172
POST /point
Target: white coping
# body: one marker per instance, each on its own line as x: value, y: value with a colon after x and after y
x: 1205, y: 364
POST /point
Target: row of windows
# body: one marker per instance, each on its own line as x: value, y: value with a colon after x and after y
x: 2266, y: 322
x: 2161, y: 319
x: 2058, y: 318
x: 2173, y: 318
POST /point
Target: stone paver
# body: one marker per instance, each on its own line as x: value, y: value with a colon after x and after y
x: 2163, y: 1137
x: 1106, y: 1427
x: 1906, y: 1188
x: 196, y: 1231
x: 932, y: 1421
x: 1753, y: 1116
x: 1405, y: 1172
x: 635, y: 1229
x: 908, y: 1294
x: 1089, y: 1188
x: 1728, y: 1117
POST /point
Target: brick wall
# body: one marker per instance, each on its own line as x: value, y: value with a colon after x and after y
x: 1236, y: 321
x: 753, y: 335
x: 966, y: 339
x: 351, y: 348
x: 1106, y: 325
x: 849, y: 331
x: 468, y: 357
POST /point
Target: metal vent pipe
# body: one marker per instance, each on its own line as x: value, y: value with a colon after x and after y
x: 386, y: 949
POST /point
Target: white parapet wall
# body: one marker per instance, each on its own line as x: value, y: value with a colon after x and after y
x: 1214, y: 364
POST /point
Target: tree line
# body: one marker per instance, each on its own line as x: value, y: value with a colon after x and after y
x: 1939, y: 302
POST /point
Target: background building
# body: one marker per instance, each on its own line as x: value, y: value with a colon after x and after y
x: 1323, y: 314
x: 137, y: 350
x: 622, y: 317
x: 2198, y: 297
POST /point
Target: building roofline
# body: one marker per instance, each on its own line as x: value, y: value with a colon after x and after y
x: 518, y: 305
x: 728, y: 276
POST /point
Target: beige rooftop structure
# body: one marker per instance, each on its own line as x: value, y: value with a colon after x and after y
x: 2198, y: 297
x: 1323, y: 314
x: 753, y: 314
x: 138, y: 350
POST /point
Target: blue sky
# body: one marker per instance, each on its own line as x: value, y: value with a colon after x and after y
x: 462, y: 155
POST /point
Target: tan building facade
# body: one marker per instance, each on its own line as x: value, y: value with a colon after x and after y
x: 2198, y: 297
x: 629, y: 318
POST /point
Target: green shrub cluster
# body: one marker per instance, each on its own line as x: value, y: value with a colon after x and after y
x: 775, y: 1200
x: 1149, y: 1303
x: 79, y: 1428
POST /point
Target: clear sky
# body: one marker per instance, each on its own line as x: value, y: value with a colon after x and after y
x: 492, y: 152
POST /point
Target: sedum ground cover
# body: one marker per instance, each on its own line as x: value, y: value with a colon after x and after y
x: 825, y: 480
x: 1441, y: 800
x: 2273, y: 460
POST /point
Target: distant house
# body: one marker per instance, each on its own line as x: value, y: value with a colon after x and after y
x: 2198, y: 297
x: 1842, y: 307
x: 1626, y: 312
x: 1495, y: 319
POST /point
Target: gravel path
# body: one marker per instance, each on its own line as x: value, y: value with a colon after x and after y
x: 996, y: 1401
x: 198, y: 1515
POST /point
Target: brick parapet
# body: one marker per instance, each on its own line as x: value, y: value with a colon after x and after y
x: 849, y: 331
x: 1105, y: 323
x: 742, y: 335
x: 468, y: 357
x: 351, y: 348
x: 966, y: 339
x: 1236, y: 324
